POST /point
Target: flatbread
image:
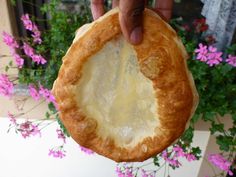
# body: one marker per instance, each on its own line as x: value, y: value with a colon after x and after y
x: 126, y: 102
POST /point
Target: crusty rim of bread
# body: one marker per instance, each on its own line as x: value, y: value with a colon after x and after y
x: 162, y: 59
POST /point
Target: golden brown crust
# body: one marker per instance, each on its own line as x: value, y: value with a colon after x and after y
x: 162, y: 59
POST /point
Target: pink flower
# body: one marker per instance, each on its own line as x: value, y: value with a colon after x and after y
x: 34, y: 92
x: 144, y: 173
x: 36, y: 35
x: 28, y: 50
x: 12, y: 118
x: 164, y: 155
x: 174, y: 162
x: 119, y: 172
x: 128, y: 172
x: 212, y: 49
x: 19, y: 61
x: 201, y: 52
x: 179, y: 152
x: 87, y: 151
x: 190, y: 157
x: 6, y: 86
x: 46, y: 94
x: 38, y: 59
x: 9, y: 40
x: 214, y: 57
x: 208, y: 55
x: 220, y: 162
x: 231, y: 60
x: 60, y: 135
x: 35, y: 130
x: 172, y: 157
x: 27, y: 129
x: 57, y: 153
x: 28, y: 24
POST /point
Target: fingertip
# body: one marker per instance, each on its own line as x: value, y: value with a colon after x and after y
x: 136, y: 35
x: 115, y: 3
x: 131, y: 20
x: 97, y: 8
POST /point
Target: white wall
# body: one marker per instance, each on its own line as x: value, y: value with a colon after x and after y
x: 29, y: 157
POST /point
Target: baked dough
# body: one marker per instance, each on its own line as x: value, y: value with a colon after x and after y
x: 125, y: 102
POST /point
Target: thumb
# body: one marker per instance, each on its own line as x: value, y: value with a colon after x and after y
x: 131, y: 20
x: 97, y: 8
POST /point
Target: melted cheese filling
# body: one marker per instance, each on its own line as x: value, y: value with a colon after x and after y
x: 113, y: 91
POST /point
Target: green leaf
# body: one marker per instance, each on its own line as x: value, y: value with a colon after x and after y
x: 47, y: 115
x: 13, y: 2
x: 224, y: 69
x: 216, y: 128
x: 187, y: 137
x: 190, y: 46
x: 232, y: 131
x: 177, y: 1
x: 156, y: 161
x: 224, y: 142
x: 233, y: 117
x: 195, y: 118
x: 63, y: 128
x: 231, y: 49
x: 7, y: 68
x: 197, y: 152
x: 209, y: 116
x: 10, y: 63
x: 52, y: 108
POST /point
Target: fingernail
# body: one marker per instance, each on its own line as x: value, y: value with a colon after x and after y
x: 136, y: 35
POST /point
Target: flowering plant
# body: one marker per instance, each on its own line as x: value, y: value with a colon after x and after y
x: 38, y: 58
x: 214, y: 74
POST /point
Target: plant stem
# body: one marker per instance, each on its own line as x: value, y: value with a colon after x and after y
x: 211, y: 166
x: 165, y: 170
x: 32, y: 4
x: 46, y: 125
x: 33, y: 107
x: 7, y: 56
x: 218, y: 120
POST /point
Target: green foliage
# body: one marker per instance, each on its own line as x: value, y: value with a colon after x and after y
x: 13, y: 2
x: 231, y: 49
x: 216, y: 87
x: 188, y: 135
x: 156, y: 161
x: 217, y: 127
x: 6, y: 68
x: 56, y: 41
x: 197, y: 151
x: 63, y: 128
x: 226, y: 143
x: 177, y: 1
